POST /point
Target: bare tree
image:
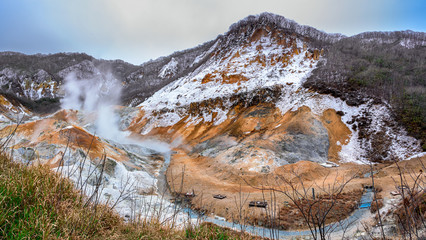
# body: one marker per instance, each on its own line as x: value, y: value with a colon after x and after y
x: 240, y: 201
x: 379, y: 217
x: 410, y: 214
x: 315, y: 206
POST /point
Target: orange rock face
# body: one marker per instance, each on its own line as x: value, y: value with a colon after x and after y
x: 262, y: 125
x: 61, y: 130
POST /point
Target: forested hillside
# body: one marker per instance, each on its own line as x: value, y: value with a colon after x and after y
x: 384, y: 66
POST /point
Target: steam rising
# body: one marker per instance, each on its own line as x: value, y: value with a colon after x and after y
x: 98, y: 94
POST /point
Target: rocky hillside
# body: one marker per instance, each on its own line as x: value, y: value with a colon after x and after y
x: 381, y: 65
x: 269, y: 62
x: 35, y: 80
x: 384, y: 66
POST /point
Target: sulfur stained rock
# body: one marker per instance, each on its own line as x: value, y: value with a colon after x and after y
x: 316, y: 54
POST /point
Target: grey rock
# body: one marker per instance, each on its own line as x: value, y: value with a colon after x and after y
x: 109, y: 167
x: 297, y: 146
x: 46, y: 150
x: 27, y: 154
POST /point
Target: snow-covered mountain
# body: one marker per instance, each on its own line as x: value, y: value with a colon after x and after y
x: 238, y: 88
x: 260, y: 65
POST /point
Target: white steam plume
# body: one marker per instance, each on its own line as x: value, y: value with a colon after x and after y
x: 98, y: 94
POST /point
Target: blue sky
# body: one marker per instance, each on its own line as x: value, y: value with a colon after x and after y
x: 139, y: 30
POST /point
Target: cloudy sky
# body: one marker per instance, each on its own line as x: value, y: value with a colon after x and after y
x: 139, y: 30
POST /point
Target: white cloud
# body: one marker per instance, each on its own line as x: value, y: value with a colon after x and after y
x: 137, y: 30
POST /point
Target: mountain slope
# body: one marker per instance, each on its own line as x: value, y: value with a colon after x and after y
x: 355, y: 65
x: 382, y: 66
x: 262, y: 63
x: 247, y: 113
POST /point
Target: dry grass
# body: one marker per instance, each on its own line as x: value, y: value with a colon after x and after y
x: 377, y: 202
x: 36, y: 203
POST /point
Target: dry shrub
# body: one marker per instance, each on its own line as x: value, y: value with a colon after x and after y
x: 411, y: 212
x: 344, y: 205
x: 376, y: 205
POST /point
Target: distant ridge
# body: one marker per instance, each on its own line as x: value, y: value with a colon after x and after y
x: 277, y: 21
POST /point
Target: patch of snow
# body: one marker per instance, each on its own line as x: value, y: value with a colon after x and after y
x: 352, y: 151
x: 407, y: 43
x: 191, y: 88
x: 169, y: 69
x: 206, y: 53
x: 221, y: 116
x: 329, y: 164
x: 419, y: 155
x: 164, y: 120
x: 130, y: 191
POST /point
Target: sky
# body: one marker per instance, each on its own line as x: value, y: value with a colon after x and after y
x: 139, y: 30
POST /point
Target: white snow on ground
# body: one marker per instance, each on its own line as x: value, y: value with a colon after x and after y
x: 169, y: 69
x: 409, y: 43
x: 8, y: 111
x: 241, y: 62
x: 167, y: 119
x: 35, y: 87
x: 190, y: 88
x: 418, y: 155
x: 203, y: 55
x: 129, y: 191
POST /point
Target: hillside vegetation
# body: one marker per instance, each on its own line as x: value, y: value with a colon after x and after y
x: 377, y: 66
